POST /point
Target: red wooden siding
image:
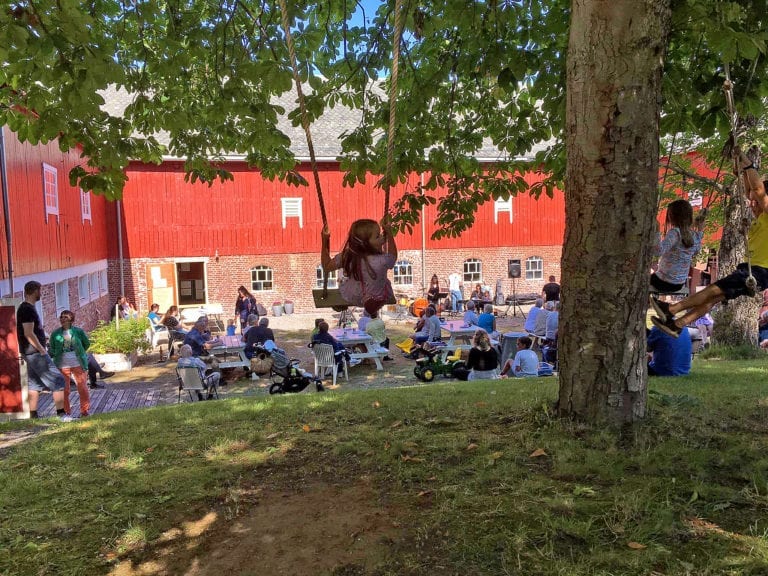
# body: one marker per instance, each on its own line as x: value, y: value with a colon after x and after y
x: 167, y: 217
x: 63, y: 241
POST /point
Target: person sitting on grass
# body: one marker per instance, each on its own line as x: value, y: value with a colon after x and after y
x: 668, y: 356
x: 210, y: 381
x: 483, y: 361
x: 735, y: 284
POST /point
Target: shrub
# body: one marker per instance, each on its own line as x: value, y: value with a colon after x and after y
x: 131, y: 337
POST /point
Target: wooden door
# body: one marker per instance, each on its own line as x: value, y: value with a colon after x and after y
x: 161, y: 285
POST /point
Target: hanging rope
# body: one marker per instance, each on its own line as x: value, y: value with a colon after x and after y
x: 388, y: 177
x: 751, y: 282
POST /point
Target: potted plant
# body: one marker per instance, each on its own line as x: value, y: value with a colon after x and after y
x: 277, y: 308
x: 288, y: 306
x: 118, y: 348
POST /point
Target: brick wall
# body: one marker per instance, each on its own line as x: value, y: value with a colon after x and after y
x: 294, y: 275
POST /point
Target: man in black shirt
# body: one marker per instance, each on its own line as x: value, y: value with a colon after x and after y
x: 551, y: 291
x: 41, y: 371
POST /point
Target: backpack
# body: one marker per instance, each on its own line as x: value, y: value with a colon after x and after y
x: 260, y: 310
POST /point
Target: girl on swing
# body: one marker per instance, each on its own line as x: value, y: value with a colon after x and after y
x: 681, y: 243
x: 365, y: 258
x: 735, y: 284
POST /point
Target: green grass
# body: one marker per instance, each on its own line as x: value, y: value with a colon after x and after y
x: 690, y: 484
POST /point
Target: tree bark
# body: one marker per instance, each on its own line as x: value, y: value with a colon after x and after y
x: 735, y: 321
x: 615, y: 58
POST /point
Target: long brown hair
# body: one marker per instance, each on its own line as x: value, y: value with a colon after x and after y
x: 358, y: 247
x: 680, y: 216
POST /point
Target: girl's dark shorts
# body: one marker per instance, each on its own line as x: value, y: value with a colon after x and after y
x: 735, y: 284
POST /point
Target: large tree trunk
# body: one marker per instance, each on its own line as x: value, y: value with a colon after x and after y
x: 615, y: 58
x: 736, y: 321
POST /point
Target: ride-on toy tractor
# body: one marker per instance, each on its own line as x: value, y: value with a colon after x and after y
x: 432, y: 365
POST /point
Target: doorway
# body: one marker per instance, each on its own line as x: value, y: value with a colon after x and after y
x: 192, y: 287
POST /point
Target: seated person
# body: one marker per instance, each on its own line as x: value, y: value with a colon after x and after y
x: 483, y: 361
x: 257, y: 333
x: 541, y: 320
x: 550, y: 332
x: 477, y: 293
x: 155, y: 317
x: 525, y: 363
x: 470, y: 316
x: 171, y: 319
x: 669, y: 356
x: 530, y: 321
x: 432, y: 328
x: 421, y: 322
x: 376, y: 330
x: 323, y: 337
x: 487, y: 320
x: 316, y: 329
x: 125, y: 309
x: 200, y: 341
x: 362, y: 322
x: 186, y: 359
x: 95, y: 369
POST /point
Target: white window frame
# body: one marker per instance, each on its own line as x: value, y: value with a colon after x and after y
x: 84, y: 289
x: 85, y: 206
x: 500, y: 205
x: 62, y: 296
x: 50, y: 190
x: 472, y: 276
x: 534, y: 272
x: 333, y: 277
x: 94, y: 282
x: 398, y: 277
x: 292, y: 208
x: 103, y: 282
x: 268, y: 272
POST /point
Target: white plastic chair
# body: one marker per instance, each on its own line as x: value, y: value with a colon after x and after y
x: 325, y: 359
x: 157, y: 333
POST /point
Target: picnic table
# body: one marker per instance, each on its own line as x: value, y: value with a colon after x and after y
x: 232, y: 352
x: 353, y: 338
x: 460, y: 337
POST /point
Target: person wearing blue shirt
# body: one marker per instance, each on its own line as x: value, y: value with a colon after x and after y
x: 154, y: 317
x: 552, y: 322
x: 669, y: 356
x: 486, y: 320
x: 470, y: 316
x: 530, y: 321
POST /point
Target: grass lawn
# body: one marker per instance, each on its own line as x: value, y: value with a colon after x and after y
x: 451, y: 478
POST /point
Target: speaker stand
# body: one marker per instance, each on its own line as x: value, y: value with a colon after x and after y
x: 514, y: 305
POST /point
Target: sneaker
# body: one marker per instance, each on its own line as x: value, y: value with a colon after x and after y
x: 388, y: 359
x: 96, y: 385
x: 669, y: 327
x: 65, y: 418
x: 661, y: 308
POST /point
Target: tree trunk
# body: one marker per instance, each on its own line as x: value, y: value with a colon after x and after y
x: 615, y: 58
x: 735, y: 321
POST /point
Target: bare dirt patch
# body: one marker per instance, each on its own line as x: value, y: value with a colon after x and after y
x: 317, y: 529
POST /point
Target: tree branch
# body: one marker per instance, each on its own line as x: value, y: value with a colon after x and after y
x: 677, y: 169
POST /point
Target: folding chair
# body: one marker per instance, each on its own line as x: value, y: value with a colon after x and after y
x: 325, y: 359
x: 191, y: 379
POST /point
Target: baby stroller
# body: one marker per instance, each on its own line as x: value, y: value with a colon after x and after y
x: 286, y: 374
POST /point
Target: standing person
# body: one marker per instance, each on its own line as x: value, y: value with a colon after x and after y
x: 68, y: 347
x: 551, y: 290
x: 245, y: 305
x: 454, y: 287
x: 681, y: 243
x: 368, y: 253
x: 42, y: 372
x: 483, y: 361
x: 735, y: 284
x: 434, y: 291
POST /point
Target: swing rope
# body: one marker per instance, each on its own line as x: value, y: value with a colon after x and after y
x: 751, y: 282
x: 399, y: 23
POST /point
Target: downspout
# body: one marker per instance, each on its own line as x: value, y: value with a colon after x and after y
x: 6, y: 209
x: 423, y: 239
x: 118, y: 204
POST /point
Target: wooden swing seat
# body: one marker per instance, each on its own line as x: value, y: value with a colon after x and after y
x: 334, y: 299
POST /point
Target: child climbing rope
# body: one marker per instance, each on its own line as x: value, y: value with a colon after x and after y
x: 737, y: 283
x: 681, y: 243
x: 365, y: 258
